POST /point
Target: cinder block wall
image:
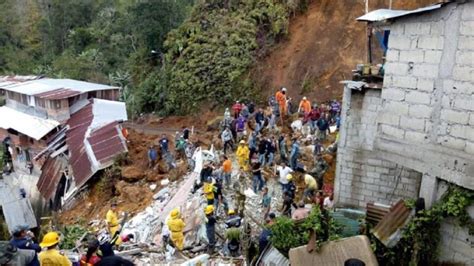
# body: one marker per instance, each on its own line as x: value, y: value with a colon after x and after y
x: 426, y: 120
x: 362, y: 175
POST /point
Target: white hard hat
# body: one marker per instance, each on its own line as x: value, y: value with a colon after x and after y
x: 304, y: 98
x: 103, y: 238
x: 283, y: 89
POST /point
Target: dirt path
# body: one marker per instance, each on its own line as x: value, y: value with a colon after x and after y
x: 324, y: 45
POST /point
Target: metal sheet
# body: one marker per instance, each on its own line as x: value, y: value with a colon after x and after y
x: 38, y: 86
x: 388, y: 229
x: 58, y: 94
x: 385, y: 14
x: 273, y: 257
x: 32, y: 126
x: 50, y: 175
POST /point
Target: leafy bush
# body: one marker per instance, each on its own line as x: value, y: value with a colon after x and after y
x: 207, y: 58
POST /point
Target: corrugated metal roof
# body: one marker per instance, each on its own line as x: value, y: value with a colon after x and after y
x: 335, y: 253
x: 94, y: 138
x: 51, y: 172
x: 106, y: 142
x: 388, y: 229
x: 11, y: 80
x: 16, y: 210
x: 39, y: 86
x: 386, y: 14
x: 32, y: 126
x: 58, y: 94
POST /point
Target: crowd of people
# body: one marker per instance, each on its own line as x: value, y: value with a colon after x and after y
x: 256, y: 137
x: 253, y: 136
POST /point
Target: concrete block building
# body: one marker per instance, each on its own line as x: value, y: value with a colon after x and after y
x: 414, y: 134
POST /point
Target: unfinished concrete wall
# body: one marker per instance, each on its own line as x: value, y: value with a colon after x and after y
x: 427, y: 117
x: 362, y: 175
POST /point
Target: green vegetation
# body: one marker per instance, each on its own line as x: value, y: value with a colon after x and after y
x: 163, y: 64
x: 288, y: 234
x: 421, y: 236
x: 70, y: 235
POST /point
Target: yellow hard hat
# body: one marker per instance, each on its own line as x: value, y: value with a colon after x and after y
x: 231, y: 211
x: 50, y: 239
x: 174, y: 213
x: 209, y: 209
x: 289, y: 177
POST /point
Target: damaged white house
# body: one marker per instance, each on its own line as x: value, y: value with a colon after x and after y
x: 61, y: 131
x: 414, y: 134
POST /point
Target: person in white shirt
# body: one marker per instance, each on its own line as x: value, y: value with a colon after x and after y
x: 283, y: 170
x: 329, y: 202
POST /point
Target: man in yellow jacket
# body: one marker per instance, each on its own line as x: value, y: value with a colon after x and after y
x: 243, y: 154
x: 176, y: 226
x: 51, y: 256
x: 208, y: 190
x: 113, y: 222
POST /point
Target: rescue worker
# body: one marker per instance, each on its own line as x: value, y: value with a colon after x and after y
x: 23, y: 239
x: 208, y: 190
x: 243, y: 154
x: 176, y: 226
x: 232, y: 233
x: 280, y: 97
x: 51, y: 255
x: 295, y: 152
x: 305, y: 106
x: 12, y: 256
x: 113, y: 222
x: 210, y: 226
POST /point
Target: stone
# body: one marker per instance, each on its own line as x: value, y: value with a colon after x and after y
x: 404, y: 82
x: 412, y: 123
x: 430, y: 42
x: 393, y: 94
x: 418, y: 97
x: 420, y: 111
x: 399, y: 42
x: 132, y: 173
x: 393, y: 131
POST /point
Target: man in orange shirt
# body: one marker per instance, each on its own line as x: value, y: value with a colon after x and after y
x: 305, y: 106
x: 280, y: 97
x: 226, y: 170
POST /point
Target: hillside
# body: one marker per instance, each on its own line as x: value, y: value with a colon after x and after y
x: 323, y: 46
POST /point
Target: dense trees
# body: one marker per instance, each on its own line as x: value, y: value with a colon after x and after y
x: 169, y: 56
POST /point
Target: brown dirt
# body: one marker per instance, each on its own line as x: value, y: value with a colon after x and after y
x: 324, y: 45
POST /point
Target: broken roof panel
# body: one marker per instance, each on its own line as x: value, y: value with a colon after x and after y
x: 388, y: 230
x: 32, y: 126
x: 386, y: 14
x: 51, y: 172
x: 40, y: 86
x: 94, y: 137
x: 335, y: 253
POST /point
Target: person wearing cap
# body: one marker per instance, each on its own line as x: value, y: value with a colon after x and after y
x: 208, y: 190
x: 305, y: 106
x: 51, y: 255
x: 112, y: 220
x: 176, y: 226
x: 210, y: 226
x: 243, y: 154
x: 232, y: 233
x: 22, y: 239
x: 280, y: 97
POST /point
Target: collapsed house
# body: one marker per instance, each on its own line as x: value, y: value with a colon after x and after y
x: 414, y: 134
x: 60, y: 131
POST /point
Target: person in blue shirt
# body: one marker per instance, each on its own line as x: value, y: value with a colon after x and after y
x: 323, y: 126
x: 22, y: 239
x: 295, y: 152
x: 259, y: 120
x: 164, y: 144
x: 152, y: 156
